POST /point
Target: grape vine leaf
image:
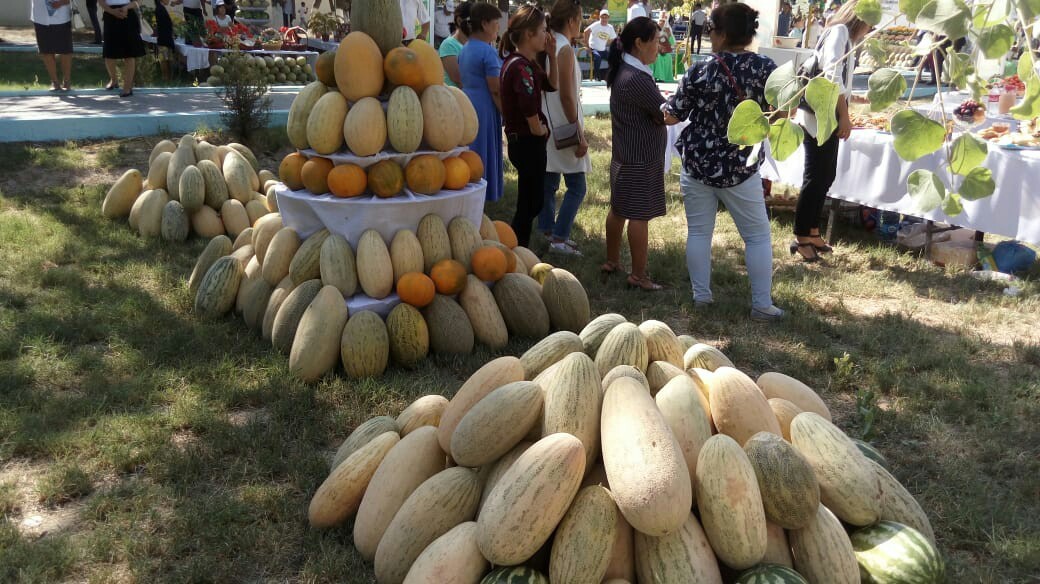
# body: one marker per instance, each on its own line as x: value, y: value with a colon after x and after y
x: 952, y: 206
x: 958, y: 67
x: 822, y: 95
x: 915, y: 135
x: 926, y: 190
x: 783, y: 88
x: 911, y: 8
x: 946, y: 17
x: 978, y: 184
x: 748, y: 125
x: 1030, y: 106
x: 1028, y: 9
x: 967, y: 153
x: 990, y: 14
x: 876, y: 49
x: 869, y: 11
x: 996, y: 41
x: 885, y: 86
x: 785, y: 137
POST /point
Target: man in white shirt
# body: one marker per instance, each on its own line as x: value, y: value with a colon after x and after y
x: 697, y: 21
x: 442, y: 22
x: 414, y: 12
x: 635, y: 10
x: 598, y: 37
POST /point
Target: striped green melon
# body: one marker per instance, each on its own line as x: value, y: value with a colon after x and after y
x: 362, y: 435
x: 404, y: 124
x: 683, y: 556
x: 219, y: 288
x: 450, y: 330
x: 365, y: 345
x: 731, y: 503
x: 770, y: 574
x: 490, y: 474
x: 217, y: 248
x: 624, y: 371
x: 374, y: 268
x: 452, y: 558
x: 897, y: 504
x: 433, y: 237
x: 685, y: 410
x: 530, y: 499
x: 872, y: 453
x: 283, y: 331
x: 686, y: 341
x: 583, y: 542
x: 316, y: 347
x: 622, y: 557
x: 788, y: 485
x: 443, y: 501
x: 409, y: 335
x: 340, y: 495
x: 548, y: 351
x: 624, y: 345
x: 496, y: 424
x: 405, y: 254
x: 519, y: 299
x: 465, y: 239
x: 566, y: 300
x: 240, y: 176
x: 410, y: 463
x: 479, y: 303
x: 254, y: 295
x: 643, y: 460
x: 425, y: 411
x: 784, y: 387
x: 216, y: 188
x: 659, y: 373
x: 822, y: 551
x: 593, y: 334
x: 192, y: 189
x: 278, y: 296
x: 251, y: 274
x: 380, y: 20
x: 183, y: 157
x: 515, y: 575
x: 738, y: 407
x: 279, y: 255
x: 661, y: 343
x: 572, y: 403
x: 893, y: 553
x: 306, y: 263
x: 848, y: 487
x: 483, y: 381
x: 337, y: 266
x: 704, y: 356
x: 175, y: 225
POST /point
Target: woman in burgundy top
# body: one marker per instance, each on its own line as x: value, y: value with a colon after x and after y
x: 521, y: 83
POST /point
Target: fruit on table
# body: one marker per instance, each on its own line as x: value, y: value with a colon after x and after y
x: 358, y: 60
x: 347, y: 180
x: 385, y: 179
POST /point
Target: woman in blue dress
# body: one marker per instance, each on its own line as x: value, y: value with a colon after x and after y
x: 480, y: 66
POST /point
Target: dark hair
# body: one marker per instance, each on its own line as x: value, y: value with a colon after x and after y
x: 562, y: 12
x: 479, y: 14
x: 641, y: 28
x: 462, y: 17
x: 737, y: 21
x: 528, y: 18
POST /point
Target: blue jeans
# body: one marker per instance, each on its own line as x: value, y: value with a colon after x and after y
x: 560, y: 224
x: 748, y: 209
x: 599, y: 57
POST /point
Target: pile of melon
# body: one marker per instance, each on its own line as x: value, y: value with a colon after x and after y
x: 193, y: 186
x: 365, y: 103
x: 458, y: 285
x: 281, y: 70
x: 623, y: 454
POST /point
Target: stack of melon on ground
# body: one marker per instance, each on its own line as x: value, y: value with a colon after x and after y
x: 193, y: 187
x: 458, y: 285
x: 622, y: 454
x: 402, y: 127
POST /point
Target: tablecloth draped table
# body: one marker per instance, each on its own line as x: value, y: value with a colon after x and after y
x: 952, y: 99
x: 197, y: 58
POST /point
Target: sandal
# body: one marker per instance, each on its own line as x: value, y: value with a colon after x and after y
x: 795, y: 246
x: 644, y: 283
x: 111, y: 85
x: 609, y: 267
x: 823, y: 248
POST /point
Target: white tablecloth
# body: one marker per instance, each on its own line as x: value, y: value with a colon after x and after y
x: 307, y: 213
x: 871, y: 173
x: 197, y: 58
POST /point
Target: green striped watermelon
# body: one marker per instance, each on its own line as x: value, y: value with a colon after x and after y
x: 893, y: 553
x: 770, y: 574
x: 872, y: 453
x: 515, y: 575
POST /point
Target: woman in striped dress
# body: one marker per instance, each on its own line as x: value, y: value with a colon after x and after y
x: 637, y: 153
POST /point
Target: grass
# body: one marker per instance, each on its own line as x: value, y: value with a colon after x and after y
x: 25, y: 71
x: 201, y: 452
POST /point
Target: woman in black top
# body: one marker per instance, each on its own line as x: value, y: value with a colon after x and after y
x: 122, y: 41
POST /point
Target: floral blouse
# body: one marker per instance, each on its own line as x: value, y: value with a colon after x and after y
x: 707, y: 97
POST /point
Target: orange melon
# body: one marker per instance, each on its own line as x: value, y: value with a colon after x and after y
x: 506, y: 234
x: 347, y: 180
x: 386, y: 179
x: 403, y: 67
x: 291, y: 169
x: 476, y: 165
x: 449, y: 276
x: 315, y: 174
x: 425, y: 174
x: 456, y: 173
x: 489, y: 264
x: 417, y: 289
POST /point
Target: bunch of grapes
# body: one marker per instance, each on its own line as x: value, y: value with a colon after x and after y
x: 967, y: 110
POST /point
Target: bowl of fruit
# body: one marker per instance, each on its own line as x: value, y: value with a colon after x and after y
x: 1015, y: 85
x: 971, y: 112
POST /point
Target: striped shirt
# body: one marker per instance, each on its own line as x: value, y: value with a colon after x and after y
x: 638, y: 145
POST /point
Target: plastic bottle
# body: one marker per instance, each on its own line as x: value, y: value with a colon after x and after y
x: 993, y: 106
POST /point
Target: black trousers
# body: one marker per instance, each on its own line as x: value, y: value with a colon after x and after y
x: 696, y: 32
x: 527, y: 153
x: 821, y: 165
x: 92, y: 11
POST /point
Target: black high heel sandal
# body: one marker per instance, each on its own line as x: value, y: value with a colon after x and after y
x: 825, y: 248
x: 807, y: 259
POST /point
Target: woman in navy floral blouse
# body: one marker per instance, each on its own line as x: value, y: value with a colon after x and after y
x: 715, y: 170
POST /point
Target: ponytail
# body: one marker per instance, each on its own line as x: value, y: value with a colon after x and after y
x: 462, y: 21
x: 528, y: 18
x: 475, y: 16
x: 640, y: 28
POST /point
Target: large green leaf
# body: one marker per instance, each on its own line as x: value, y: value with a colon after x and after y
x: 967, y: 153
x: 952, y: 206
x: 911, y: 8
x: 1026, y: 71
x: 996, y: 41
x: 1028, y: 9
x: 869, y: 11
x: 915, y: 135
x: 783, y: 87
x: 877, y: 50
x: 785, y: 137
x: 885, y: 87
x: 1030, y: 106
x: 958, y: 67
x: 948, y: 17
x: 990, y: 14
x: 978, y: 184
x: 748, y: 126
x: 926, y: 190
x: 822, y: 95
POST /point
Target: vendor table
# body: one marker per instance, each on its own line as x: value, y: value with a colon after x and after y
x: 198, y: 58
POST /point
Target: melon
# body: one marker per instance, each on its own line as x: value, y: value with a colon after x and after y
x: 218, y: 288
x: 482, y: 382
x: 278, y: 296
x: 788, y: 485
x: 496, y: 424
x: 363, y: 434
x: 529, y: 258
x: 240, y: 177
x: 148, y: 212
x: 325, y: 122
x: 870, y: 452
x: 364, y: 345
x: 593, y: 334
x: 264, y: 231
x: 822, y: 551
x: 519, y: 299
x: 374, y: 267
x: 549, y: 351
x: 175, y: 225
x: 450, y: 330
x: 316, y: 346
x: 192, y: 189
x: 306, y: 262
x: 489, y: 328
x: 183, y: 157
x: 683, y: 408
x: 157, y: 172
x: 245, y: 239
x: 785, y: 413
x: 470, y: 124
x: 453, y: 558
x: 515, y: 575
x: 659, y: 373
x: 433, y: 237
x: 770, y: 574
x: 256, y: 210
x: 409, y: 336
x: 161, y: 147
x: 623, y: 345
x: 404, y: 120
x: 279, y: 255
x: 897, y: 504
x: 121, y: 196
x: 706, y: 357
x: 425, y: 411
x: 380, y: 23
x: 248, y: 155
x: 233, y: 215
x: 624, y: 371
x: 217, y: 248
x: 283, y: 331
x: 565, y: 300
x: 738, y: 407
x: 661, y: 343
x: 891, y: 552
x: 490, y: 474
x: 585, y: 538
x: 339, y: 496
x: 572, y: 402
x: 216, y: 187
x: 465, y: 239
x: 730, y: 503
x: 441, y: 128
x: 337, y: 266
x: 364, y: 128
x: 778, y: 550
x: 622, y: 556
x: 778, y: 385
x: 300, y: 111
x: 405, y: 254
x: 682, y: 556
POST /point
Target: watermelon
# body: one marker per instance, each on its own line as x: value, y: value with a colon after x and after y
x: 515, y: 575
x: 893, y: 553
x: 770, y: 574
x: 872, y: 453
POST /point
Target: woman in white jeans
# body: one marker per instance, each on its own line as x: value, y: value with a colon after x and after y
x: 715, y: 170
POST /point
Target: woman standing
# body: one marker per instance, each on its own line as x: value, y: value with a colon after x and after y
x: 844, y: 31
x: 637, y: 151
x: 452, y: 46
x: 527, y: 129
x: 480, y: 66
x: 664, y: 66
x: 122, y: 27
x: 52, y: 20
x: 715, y: 170
x: 564, y: 111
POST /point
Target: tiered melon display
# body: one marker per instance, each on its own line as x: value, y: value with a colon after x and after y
x: 193, y: 186
x: 601, y: 457
x: 456, y: 289
x: 277, y: 70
